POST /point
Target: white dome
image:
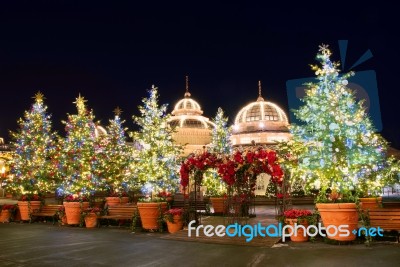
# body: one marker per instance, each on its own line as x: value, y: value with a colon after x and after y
x: 187, y: 106
x: 261, y: 111
x: 262, y: 121
x: 192, y: 130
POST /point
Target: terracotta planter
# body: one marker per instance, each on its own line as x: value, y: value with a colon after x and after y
x: 27, y: 208
x: 91, y: 220
x: 176, y: 226
x: 73, y: 211
x: 218, y: 204
x: 150, y: 213
x: 336, y: 214
x: 113, y: 201
x: 301, y: 235
x: 5, y: 216
x: 370, y: 202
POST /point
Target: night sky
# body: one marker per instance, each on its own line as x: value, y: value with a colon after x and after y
x: 112, y: 53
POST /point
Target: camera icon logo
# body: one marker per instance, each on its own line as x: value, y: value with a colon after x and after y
x: 364, y: 84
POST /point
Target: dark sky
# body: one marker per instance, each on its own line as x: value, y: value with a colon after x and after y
x: 113, y: 52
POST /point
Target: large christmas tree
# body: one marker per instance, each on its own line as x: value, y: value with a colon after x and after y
x: 158, y: 159
x: 78, y: 160
x: 115, y: 157
x: 34, y: 145
x: 342, y: 152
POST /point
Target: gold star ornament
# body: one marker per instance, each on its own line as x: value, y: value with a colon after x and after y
x: 39, y: 97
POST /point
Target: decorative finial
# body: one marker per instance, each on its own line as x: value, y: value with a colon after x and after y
x: 80, y: 103
x: 187, y: 94
x: 117, y: 111
x: 260, y: 98
x: 39, y: 97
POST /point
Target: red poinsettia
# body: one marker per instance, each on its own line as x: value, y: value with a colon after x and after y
x: 244, y: 166
x: 296, y: 214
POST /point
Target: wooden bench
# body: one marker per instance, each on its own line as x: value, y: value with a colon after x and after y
x: 120, y: 212
x: 46, y: 211
x: 386, y: 218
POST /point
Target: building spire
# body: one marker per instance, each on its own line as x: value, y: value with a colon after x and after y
x: 187, y: 94
x: 260, y: 98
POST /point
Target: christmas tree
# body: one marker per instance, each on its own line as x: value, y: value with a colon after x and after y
x: 342, y: 152
x: 78, y: 161
x: 158, y: 160
x: 220, y: 140
x: 115, y: 157
x: 220, y: 144
x: 34, y: 147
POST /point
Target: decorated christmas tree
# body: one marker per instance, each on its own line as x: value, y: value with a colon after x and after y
x: 115, y: 157
x: 78, y: 161
x: 220, y: 139
x: 158, y: 159
x: 35, y: 144
x: 221, y: 145
x: 342, y: 153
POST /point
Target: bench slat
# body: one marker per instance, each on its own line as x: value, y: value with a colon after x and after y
x: 386, y: 218
x: 119, y: 212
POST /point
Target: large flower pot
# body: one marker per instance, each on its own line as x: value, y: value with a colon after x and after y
x: 73, y: 211
x: 334, y: 215
x: 27, y: 207
x: 370, y: 202
x: 218, y: 204
x: 301, y: 235
x: 113, y: 201
x: 150, y: 213
x: 91, y: 220
x: 175, y: 226
x: 5, y: 216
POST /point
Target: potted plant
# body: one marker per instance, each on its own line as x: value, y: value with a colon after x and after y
x: 89, y: 215
x: 174, y: 219
x: 340, y: 150
x: 151, y: 210
x: 296, y: 217
x: 117, y: 198
x: 74, y: 205
x: 156, y: 164
x: 7, y: 212
x: 28, y: 203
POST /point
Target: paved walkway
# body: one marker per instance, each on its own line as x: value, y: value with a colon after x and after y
x: 42, y: 244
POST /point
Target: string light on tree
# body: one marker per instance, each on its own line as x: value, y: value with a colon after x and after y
x: 158, y: 160
x: 35, y: 145
x: 78, y: 160
x: 342, y: 151
x: 115, y: 157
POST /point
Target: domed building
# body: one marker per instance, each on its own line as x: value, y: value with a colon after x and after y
x: 260, y: 122
x: 192, y: 129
